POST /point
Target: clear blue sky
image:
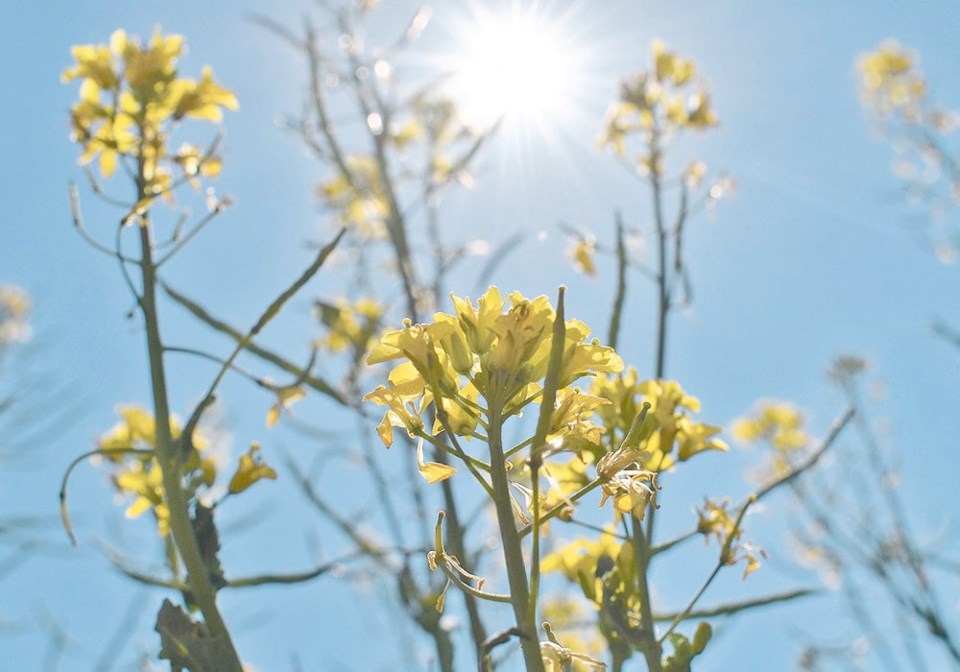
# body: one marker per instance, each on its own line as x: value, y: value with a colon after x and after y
x: 810, y: 260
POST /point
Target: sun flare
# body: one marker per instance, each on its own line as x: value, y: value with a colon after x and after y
x: 513, y: 67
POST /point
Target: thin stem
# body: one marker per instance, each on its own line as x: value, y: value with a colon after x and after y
x: 272, y: 311
x: 315, y: 382
x: 737, y: 607
x: 82, y: 230
x: 725, y: 558
x: 588, y: 488
x: 544, y: 422
x: 621, y: 294
x: 663, y: 291
x: 108, y: 452
x: 649, y: 645
x: 395, y: 224
x: 807, y: 464
x: 180, y: 244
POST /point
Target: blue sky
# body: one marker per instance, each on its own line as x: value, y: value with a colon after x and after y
x: 809, y: 260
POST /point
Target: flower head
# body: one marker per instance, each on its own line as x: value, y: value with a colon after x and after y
x: 130, y: 94
x: 489, y: 358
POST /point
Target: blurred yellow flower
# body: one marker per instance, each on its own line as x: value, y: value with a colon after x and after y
x: 139, y: 474
x: 662, y: 101
x: 251, y: 469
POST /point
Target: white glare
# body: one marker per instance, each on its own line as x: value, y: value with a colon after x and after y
x: 512, y: 67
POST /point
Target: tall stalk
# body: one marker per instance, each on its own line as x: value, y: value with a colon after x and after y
x: 641, y: 538
x: 512, y: 548
x: 168, y: 457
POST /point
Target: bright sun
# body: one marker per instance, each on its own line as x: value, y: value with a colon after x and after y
x: 512, y: 67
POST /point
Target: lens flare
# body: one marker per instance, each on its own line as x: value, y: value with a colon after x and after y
x: 513, y: 67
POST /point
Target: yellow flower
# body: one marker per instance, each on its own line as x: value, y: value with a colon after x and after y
x: 478, y: 323
x: 144, y: 96
x: 144, y: 480
x: 523, y: 338
x: 286, y: 397
x: 583, y: 556
x: 401, y: 399
x: 667, y: 426
x: 657, y: 101
x: 203, y: 99
x: 716, y: 520
x: 148, y: 70
x: 878, y: 68
x: 583, y: 251
x: 503, y: 355
x: 572, y: 425
x: 350, y: 325
x: 140, y: 474
x: 626, y: 481
x: 251, y: 469
x: 778, y: 423
x: 432, y: 472
x: 891, y: 81
x: 699, y: 113
x: 360, y: 196
x: 94, y: 62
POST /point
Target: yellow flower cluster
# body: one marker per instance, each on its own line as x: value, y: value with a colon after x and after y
x: 130, y: 96
x: 351, y: 325
x: 600, y: 568
x: 665, y: 99
x: 716, y: 520
x: 890, y: 80
x: 781, y: 426
x: 359, y: 196
x: 597, y: 425
x: 441, y: 126
x: 487, y: 360
x: 139, y: 475
x: 668, y: 426
x: 581, y: 558
x: 359, y: 191
x: 779, y: 423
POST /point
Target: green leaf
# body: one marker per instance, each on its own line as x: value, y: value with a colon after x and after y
x: 208, y: 542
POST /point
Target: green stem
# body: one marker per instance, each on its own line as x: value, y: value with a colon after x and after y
x: 512, y: 549
x: 535, y: 542
x: 181, y: 526
x: 588, y: 488
x: 621, y: 295
x: 649, y: 645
